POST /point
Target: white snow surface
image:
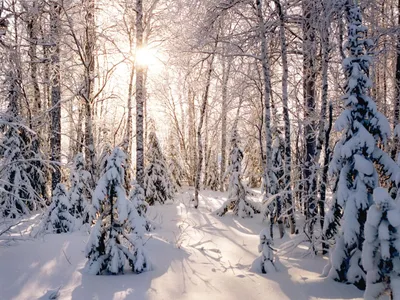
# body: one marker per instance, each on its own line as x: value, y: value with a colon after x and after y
x: 195, y: 255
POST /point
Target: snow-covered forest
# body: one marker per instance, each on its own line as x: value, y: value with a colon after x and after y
x: 229, y: 149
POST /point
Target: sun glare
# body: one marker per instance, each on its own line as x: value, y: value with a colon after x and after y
x: 147, y: 57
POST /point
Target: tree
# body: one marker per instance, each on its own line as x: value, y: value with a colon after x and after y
x: 237, y: 195
x: 138, y: 202
x: 80, y: 193
x: 110, y: 243
x: 18, y: 196
x: 140, y: 96
x: 380, y: 254
x: 59, y: 219
x: 158, y: 185
x: 266, y: 250
x: 354, y: 155
x: 55, y: 139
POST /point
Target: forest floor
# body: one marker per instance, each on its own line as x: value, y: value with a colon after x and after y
x: 196, y: 255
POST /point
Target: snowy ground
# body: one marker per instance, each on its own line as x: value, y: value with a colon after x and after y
x: 196, y: 255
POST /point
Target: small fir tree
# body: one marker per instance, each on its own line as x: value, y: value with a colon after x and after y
x: 381, y: 249
x: 237, y: 196
x: 158, y: 185
x: 267, y: 252
x: 117, y: 236
x: 80, y: 193
x: 138, y: 202
x: 353, y: 159
x: 59, y: 218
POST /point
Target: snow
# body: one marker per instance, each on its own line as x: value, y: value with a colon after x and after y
x: 196, y: 255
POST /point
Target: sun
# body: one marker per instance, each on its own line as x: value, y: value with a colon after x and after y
x: 147, y: 57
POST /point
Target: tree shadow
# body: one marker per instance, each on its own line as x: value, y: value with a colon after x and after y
x: 304, y: 288
x: 163, y: 256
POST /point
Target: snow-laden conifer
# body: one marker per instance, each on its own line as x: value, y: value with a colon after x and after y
x: 58, y: 218
x: 117, y: 236
x: 354, y: 156
x: 381, y: 249
x: 80, y: 194
x: 158, y: 185
x: 237, y: 200
x: 138, y: 202
x: 19, y: 192
x: 267, y: 252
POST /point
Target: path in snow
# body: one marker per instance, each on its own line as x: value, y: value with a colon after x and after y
x: 196, y: 254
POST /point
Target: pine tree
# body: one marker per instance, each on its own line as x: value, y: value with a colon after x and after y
x: 381, y: 249
x: 157, y: 180
x: 110, y: 243
x: 80, y: 194
x: 59, y: 218
x: 18, y: 195
x: 138, y: 202
x: 363, y: 127
x: 237, y: 195
x: 266, y: 250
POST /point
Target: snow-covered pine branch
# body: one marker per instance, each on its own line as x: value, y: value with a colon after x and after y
x: 381, y: 248
x: 110, y: 246
x: 58, y: 218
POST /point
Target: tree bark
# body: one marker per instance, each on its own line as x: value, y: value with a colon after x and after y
x: 199, y: 129
x: 287, y: 199
x: 139, y: 96
x: 396, y: 115
x: 267, y: 93
x: 309, y: 78
x: 89, y: 76
x: 55, y: 112
x: 226, y: 65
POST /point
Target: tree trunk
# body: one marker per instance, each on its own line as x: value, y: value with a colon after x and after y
x: 89, y: 65
x: 139, y: 96
x: 396, y: 115
x: 199, y: 129
x: 309, y: 78
x: 324, y: 176
x: 55, y: 112
x: 267, y: 93
x: 226, y: 65
x: 287, y: 199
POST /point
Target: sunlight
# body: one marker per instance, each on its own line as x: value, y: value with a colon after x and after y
x: 147, y: 57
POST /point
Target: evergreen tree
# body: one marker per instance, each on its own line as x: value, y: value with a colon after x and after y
x: 354, y: 156
x: 110, y: 245
x: 381, y: 249
x: 80, y: 193
x: 138, y: 202
x: 158, y: 185
x: 20, y: 189
x: 59, y: 218
x: 266, y: 250
x: 237, y: 195
x: 213, y: 176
